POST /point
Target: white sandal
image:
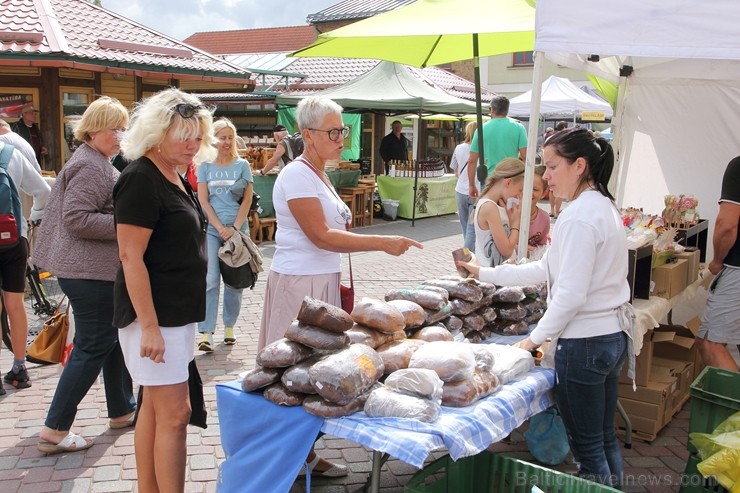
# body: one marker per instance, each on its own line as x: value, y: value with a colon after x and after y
x: 335, y: 471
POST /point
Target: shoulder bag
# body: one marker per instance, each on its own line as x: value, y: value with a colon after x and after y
x: 48, y: 346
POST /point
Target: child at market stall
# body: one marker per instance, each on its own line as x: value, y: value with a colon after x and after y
x: 539, y: 221
x: 498, y: 213
x: 589, y: 320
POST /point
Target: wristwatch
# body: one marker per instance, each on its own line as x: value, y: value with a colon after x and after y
x: 262, y: 172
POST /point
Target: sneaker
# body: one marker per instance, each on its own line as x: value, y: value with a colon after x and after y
x: 229, y: 338
x: 206, y: 343
x: 19, y: 380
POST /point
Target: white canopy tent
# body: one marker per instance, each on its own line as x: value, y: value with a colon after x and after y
x: 678, y: 69
x: 560, y: 99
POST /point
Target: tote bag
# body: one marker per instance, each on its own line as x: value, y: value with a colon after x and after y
x: 48, y: 346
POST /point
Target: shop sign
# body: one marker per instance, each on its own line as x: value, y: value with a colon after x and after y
x: 593, y: 116
x: 12, y: 104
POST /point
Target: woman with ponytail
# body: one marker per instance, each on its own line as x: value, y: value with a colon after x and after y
x: 588, y: 319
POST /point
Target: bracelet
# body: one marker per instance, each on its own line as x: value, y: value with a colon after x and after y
x: 512, y: 229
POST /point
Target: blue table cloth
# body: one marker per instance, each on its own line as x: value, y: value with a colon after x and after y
x: 272, y: 442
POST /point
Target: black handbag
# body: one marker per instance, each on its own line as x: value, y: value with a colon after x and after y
x: 238, y: 277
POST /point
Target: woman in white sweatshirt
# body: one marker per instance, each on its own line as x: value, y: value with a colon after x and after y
x: 586, y: 272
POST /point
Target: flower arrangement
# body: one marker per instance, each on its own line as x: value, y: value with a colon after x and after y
x: 680, y: 211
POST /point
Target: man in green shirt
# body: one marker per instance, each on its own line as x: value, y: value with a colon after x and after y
x: 502, y: 137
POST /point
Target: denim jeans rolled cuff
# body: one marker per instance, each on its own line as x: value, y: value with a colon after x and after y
x: 95, y: 348
x: 232, y: 297
x: 586, y: 393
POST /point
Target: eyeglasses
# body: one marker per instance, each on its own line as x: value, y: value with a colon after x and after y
x: 334, y: 133
x: 187, y: 110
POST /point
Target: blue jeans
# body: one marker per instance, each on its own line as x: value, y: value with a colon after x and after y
x: 232, y: 297
x: 465, y: 208
x: 95, y: 347
x: 586, y: 394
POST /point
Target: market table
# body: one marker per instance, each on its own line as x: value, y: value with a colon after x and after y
x: 272, y: 442
x: 263, y: 185
x: 434, y: 196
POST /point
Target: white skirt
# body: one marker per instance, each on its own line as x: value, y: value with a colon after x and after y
x: 179, y: 351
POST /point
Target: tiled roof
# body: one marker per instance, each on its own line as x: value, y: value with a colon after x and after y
x: 355, y: 9
x: 266, y: 40
x: 454, y: 84
x: 76, y: 33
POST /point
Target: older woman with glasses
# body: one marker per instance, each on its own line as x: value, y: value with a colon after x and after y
x: 160, y: 288
x: 77, y: 243
x: 497, y: 213
x: 312, y: 233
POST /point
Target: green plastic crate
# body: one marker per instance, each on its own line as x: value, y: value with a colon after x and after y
x: 693, y: 482
x: 488, y: 472
x: 715, y: 396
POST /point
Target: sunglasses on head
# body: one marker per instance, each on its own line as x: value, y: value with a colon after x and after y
x: 187, y: 110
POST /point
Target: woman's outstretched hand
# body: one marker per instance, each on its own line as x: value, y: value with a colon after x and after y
x: 398, y: 245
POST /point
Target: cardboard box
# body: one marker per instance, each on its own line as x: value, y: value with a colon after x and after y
x: 692, y: 257
x: 649, y: 408
x: 670, y: 278
x: 644, y: 360
x: 682, y: 371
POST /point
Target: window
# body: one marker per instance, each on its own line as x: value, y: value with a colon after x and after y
x: 74, y: 103
x: 523, y: 59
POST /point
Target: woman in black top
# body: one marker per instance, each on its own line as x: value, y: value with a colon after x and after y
x: 160, y: 287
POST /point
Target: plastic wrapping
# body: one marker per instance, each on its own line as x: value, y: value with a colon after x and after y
x: 474, y: 322
x: 462, y: 290
x: 433, y: 333
x: 378, y: 315
x: 296, y: 377
x: 508, y: 294
x: 278, y: 394
x: 319, y: 406
x: 397, y: 354
x: 453, y: 323
x: 359, y: 334
x: 452, y: 361
x: 321, y: 314
x: 466, y: 256
x: 384, y: 403
x: 316, y: 337
x: 483, y: 357
x: 461, y: 307
x: 509, y: 362
x: 465, y: 392
x: 259, y: 377
x: 283, y: 353
x: 510, y: 328
x: 419, y: 382
x: 720, y: 452
x: 511, y: 311
x: 342, y: 376
x: 488, y: 313
x: 434, y: 316
x: 426, y: 298
x: 413, y: 313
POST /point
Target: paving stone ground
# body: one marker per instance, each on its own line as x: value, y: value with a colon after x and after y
x: 109, y: 466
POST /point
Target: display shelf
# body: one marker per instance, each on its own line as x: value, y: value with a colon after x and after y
x: 695, y: 236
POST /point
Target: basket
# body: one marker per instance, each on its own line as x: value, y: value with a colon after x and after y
x: 693, y: 482
x: 715, y: 395
x: 488, y: 472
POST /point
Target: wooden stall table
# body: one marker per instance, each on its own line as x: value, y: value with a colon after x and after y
x: 434, y: 196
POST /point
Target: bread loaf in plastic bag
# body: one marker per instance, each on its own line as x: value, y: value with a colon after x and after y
x: 451, y: 360
x: 283, y: 353
x: 321, y: 314
x: 384, y: 403
x: 419, y: 382
x: 259, y: 377
x: 359, y: 334
x: 413, y: 313
x: 465, y: 392
x: 296, y: 379
x: 316, y: 337
x: 379, y: 315
x: 342, y: 376
x: 397, y: 354
x: 463, y: 290
x: 278, y: 394
x: 424, y: 297
x: 317, y: 405
x: 433, y: 333
x: 509, y: 362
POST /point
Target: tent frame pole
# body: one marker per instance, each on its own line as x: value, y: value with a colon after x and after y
x: 481, y: 166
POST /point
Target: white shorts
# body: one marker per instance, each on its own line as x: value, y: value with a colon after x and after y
x: 721, y: 320
x: 179, y: 351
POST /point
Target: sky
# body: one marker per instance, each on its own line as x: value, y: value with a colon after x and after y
x: 181, y: 18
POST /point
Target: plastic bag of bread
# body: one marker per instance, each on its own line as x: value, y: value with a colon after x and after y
x: 451, y: 360
x: 533, y: 317
x: 511, y: 311
x: 397, y: 354
x: 426, y: 298
x: 462, y: 290
x: 419, y: 382
x: 466, y: 256
x: 509, y: 362
x: 259, y: 377
x: 278, y: 394
x: 317, y: 405
x: 465, y: 392
x: 488, y: 288
x: 296, y: 379
x: 483, y: 357
x: 434, y: 316
x: 316, y: 337
x: 384, y: 403
x: 433, y: 333
x: 461, y: 307
x: 283, y: 353
x: 488, y: 313
x: 321, y: 314
x: 508, y: 294
x: 474, y: 321
x: 379, y: 315
x: 342, y: 376
x: 453, y: 323
x: 359, y: 334
x: 413, y: 313
x: 510, y: 328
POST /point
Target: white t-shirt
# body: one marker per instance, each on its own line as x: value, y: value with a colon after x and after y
x: 458, y: 165
x: 23, y: 146
x: 28, y: 180
x: 295, y: 254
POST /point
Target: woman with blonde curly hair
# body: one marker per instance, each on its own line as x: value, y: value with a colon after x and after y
x: 225, y: 193
x: 160, y: 288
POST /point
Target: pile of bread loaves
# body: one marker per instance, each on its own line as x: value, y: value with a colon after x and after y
x: 331, y: 362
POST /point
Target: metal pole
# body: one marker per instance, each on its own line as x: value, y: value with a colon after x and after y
x: 479, y: 114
